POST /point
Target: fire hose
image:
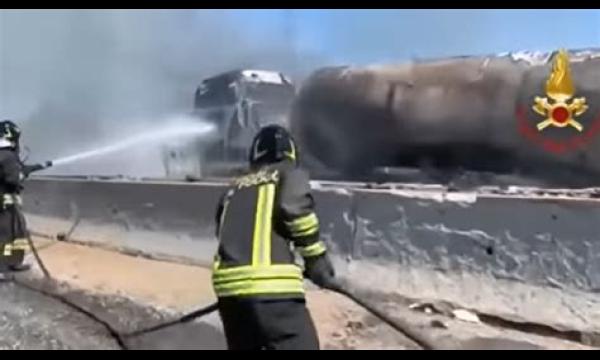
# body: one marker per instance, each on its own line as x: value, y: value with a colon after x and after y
x: 341, y: 288
x: 118, y: 336
x: 397, y: 324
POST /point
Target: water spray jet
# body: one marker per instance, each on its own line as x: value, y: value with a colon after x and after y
x: 154, y: 136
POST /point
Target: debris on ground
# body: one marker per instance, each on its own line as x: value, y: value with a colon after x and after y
x: 466, y: 315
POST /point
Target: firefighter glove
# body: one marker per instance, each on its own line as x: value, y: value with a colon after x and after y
x: 320, y: 271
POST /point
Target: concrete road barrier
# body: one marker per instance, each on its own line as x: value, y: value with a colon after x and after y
x: 533, y: 258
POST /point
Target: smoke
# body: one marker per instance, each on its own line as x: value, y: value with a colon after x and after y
x: 72, y: 78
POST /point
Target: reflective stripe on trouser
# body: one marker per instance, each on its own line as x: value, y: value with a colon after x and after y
x: 304, y: 226
x: 11, y: 199
x: 311, y: 250
x: 17, y: 244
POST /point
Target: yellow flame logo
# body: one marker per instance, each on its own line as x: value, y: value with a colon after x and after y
x: 559, y: 85
x: 560, y: 88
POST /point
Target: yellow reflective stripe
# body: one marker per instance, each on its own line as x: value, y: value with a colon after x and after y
x: 255, y: 277
x: 256, y: 241
x: 304, y: 226
x: 10, y: 199
x: 18, y: 244
x: 261, y: 239
x: 276, y: 286
x: 266, y: 257
x: 291, y: 154
x: 303, y: 222
x: 247, y: 268
x: 257, y: 272
x: 23, y: 247
x: 315, y: 249
x: 258, y: 291
x: 306, y: 232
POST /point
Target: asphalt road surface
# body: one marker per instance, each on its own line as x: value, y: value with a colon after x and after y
x: 32, y: 321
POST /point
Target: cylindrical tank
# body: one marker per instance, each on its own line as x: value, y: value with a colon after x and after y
x: 472, y: 113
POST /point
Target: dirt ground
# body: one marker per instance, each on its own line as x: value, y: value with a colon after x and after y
x: 161, y: 284
x: 175, y: 288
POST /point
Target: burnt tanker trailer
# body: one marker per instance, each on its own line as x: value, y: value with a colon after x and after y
x: 532, y: 116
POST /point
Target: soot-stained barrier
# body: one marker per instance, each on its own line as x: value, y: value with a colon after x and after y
x: 530, y: 258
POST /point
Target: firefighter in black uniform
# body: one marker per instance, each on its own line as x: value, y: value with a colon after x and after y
x: 13, y: 230
x: 261, y: 219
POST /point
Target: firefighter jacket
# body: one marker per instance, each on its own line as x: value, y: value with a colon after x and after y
x: 11, y: 175
x: 261, y: 220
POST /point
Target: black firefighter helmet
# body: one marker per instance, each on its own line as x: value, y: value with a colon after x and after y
x: 9, y: 134
x: 272, y: 144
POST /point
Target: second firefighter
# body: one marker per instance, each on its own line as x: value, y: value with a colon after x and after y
x: 262, y: 219
x: 13, y: 230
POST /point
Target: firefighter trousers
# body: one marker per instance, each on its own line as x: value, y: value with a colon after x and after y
x: 255, y: 324
x: 13, y: 238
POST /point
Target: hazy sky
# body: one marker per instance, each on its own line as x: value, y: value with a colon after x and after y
x: 360, y: 36
x: 74, y: 79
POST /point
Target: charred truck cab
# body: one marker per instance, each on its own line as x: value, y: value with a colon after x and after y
x: 238, y: 103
